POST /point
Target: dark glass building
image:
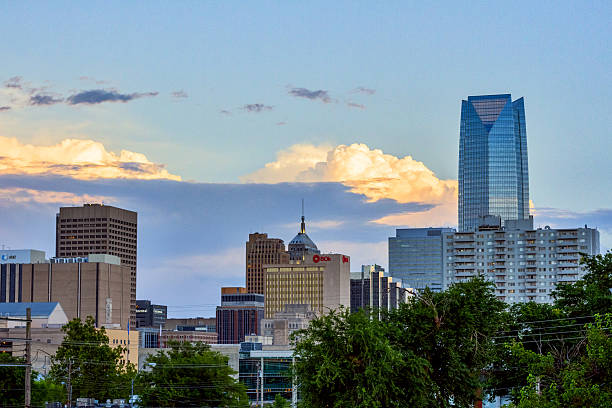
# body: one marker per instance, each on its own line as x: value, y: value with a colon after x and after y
x: 493, y: 175
x: 150, y: 315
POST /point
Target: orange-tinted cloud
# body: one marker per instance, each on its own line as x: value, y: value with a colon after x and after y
x: 18, y: 195
x: 370, y: 172
x: 77, y: 158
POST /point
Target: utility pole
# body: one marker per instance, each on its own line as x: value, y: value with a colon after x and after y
x: 28, y: 351
x: 69, y: 385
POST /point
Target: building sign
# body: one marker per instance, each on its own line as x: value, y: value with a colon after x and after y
x: 325, y: 258
x: 320, y: 258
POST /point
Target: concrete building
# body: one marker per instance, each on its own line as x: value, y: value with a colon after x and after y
x: 262, y: 250
x: 415, y: 257
x: 21, y: 256
x: 266, y: 372
x: 371, y: 289
x: 150, y: 315
x: 126, y: 339
x: 99, y: 229
x: 283, y: 324
x: 97, y: 289
x: 186, y: 337
x: 526, y: 264
x: 239, y: 315
x: 320, y: 281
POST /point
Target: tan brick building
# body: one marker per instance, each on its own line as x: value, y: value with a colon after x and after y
x: 261, y: 250
x: 99, y: 229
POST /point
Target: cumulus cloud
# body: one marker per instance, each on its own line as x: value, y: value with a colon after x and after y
x: 76, y: 158
x: 367, y: 171
x: 96, y: 96
x: 312, y: 95
x: 367, y: 91
x: 44, y: 99
x: 179, y: 94
x: 257, y: 107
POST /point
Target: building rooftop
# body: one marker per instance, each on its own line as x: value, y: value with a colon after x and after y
x: 38, y: 309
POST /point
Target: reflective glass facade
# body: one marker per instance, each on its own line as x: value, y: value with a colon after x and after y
x: 493, y: 174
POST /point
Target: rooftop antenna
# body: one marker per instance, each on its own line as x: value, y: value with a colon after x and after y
x: 303, y: 226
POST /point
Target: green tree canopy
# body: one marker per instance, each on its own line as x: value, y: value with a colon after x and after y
x: 11, y: 381
x: 190, y: 375
x: 95, y: 369
x: 429, y: 352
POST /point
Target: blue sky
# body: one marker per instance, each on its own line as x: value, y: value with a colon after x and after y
x: 216, y: 90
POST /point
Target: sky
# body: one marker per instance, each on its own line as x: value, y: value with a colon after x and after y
x: 213, y: 120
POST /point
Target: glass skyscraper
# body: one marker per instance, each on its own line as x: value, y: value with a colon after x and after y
x: 493, y: 175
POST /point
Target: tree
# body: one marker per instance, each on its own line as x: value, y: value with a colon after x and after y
x: 93, y: 368
x: 280, y: 402
x: 429, y: 352
x: 453, y: 331
x: 587, y: 382
x: 45, y: 390
x: 591, y: 294
x: 11, y: 381
x: 346, y: 360
x: 188, y: 374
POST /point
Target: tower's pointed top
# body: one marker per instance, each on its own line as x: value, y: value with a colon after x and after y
x: 303, y: 226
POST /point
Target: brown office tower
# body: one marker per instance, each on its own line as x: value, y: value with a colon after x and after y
x: 99, y: 229
x: 261, y: 250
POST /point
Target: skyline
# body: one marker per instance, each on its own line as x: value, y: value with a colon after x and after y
x: 206, y: 113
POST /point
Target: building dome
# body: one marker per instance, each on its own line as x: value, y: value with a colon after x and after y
x: 301, y: 245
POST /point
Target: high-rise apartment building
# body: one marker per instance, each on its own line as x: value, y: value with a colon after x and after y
x: 99, y: 229
x: 415, y: 257
x: 239, y: 315
x: 262, y: 250
x: 526, y: 264
x: 493, y: 171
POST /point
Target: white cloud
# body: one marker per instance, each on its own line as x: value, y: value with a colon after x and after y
x: 77, y: 158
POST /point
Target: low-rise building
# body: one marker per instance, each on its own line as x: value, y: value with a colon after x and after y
x: 43, y: 315
x: 150, y: 315
x: 291, y: 319
x: 239, y: 315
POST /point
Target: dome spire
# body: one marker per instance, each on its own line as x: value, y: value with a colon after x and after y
x: 303, y: 226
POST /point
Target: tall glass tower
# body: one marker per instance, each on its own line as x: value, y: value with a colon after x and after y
x: 493, y: 175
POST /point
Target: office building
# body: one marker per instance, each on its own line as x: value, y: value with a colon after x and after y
x: 301, y: 246
x: 205, y: 324
x: 284, y: 323
x: 371, y: 289
x: 266, y: 373
x: 320, y: 281
x: 262, y: 250
x: 415, y: 257
x: 526, y: 264
x: 493, y: 171
x: 21, y: 256
x: 99, y: 229
x: 239, y: 315
x: 150, y: 315
x: 83, y: 288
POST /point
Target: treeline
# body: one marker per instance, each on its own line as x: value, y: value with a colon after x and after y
x: 453, y: 348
